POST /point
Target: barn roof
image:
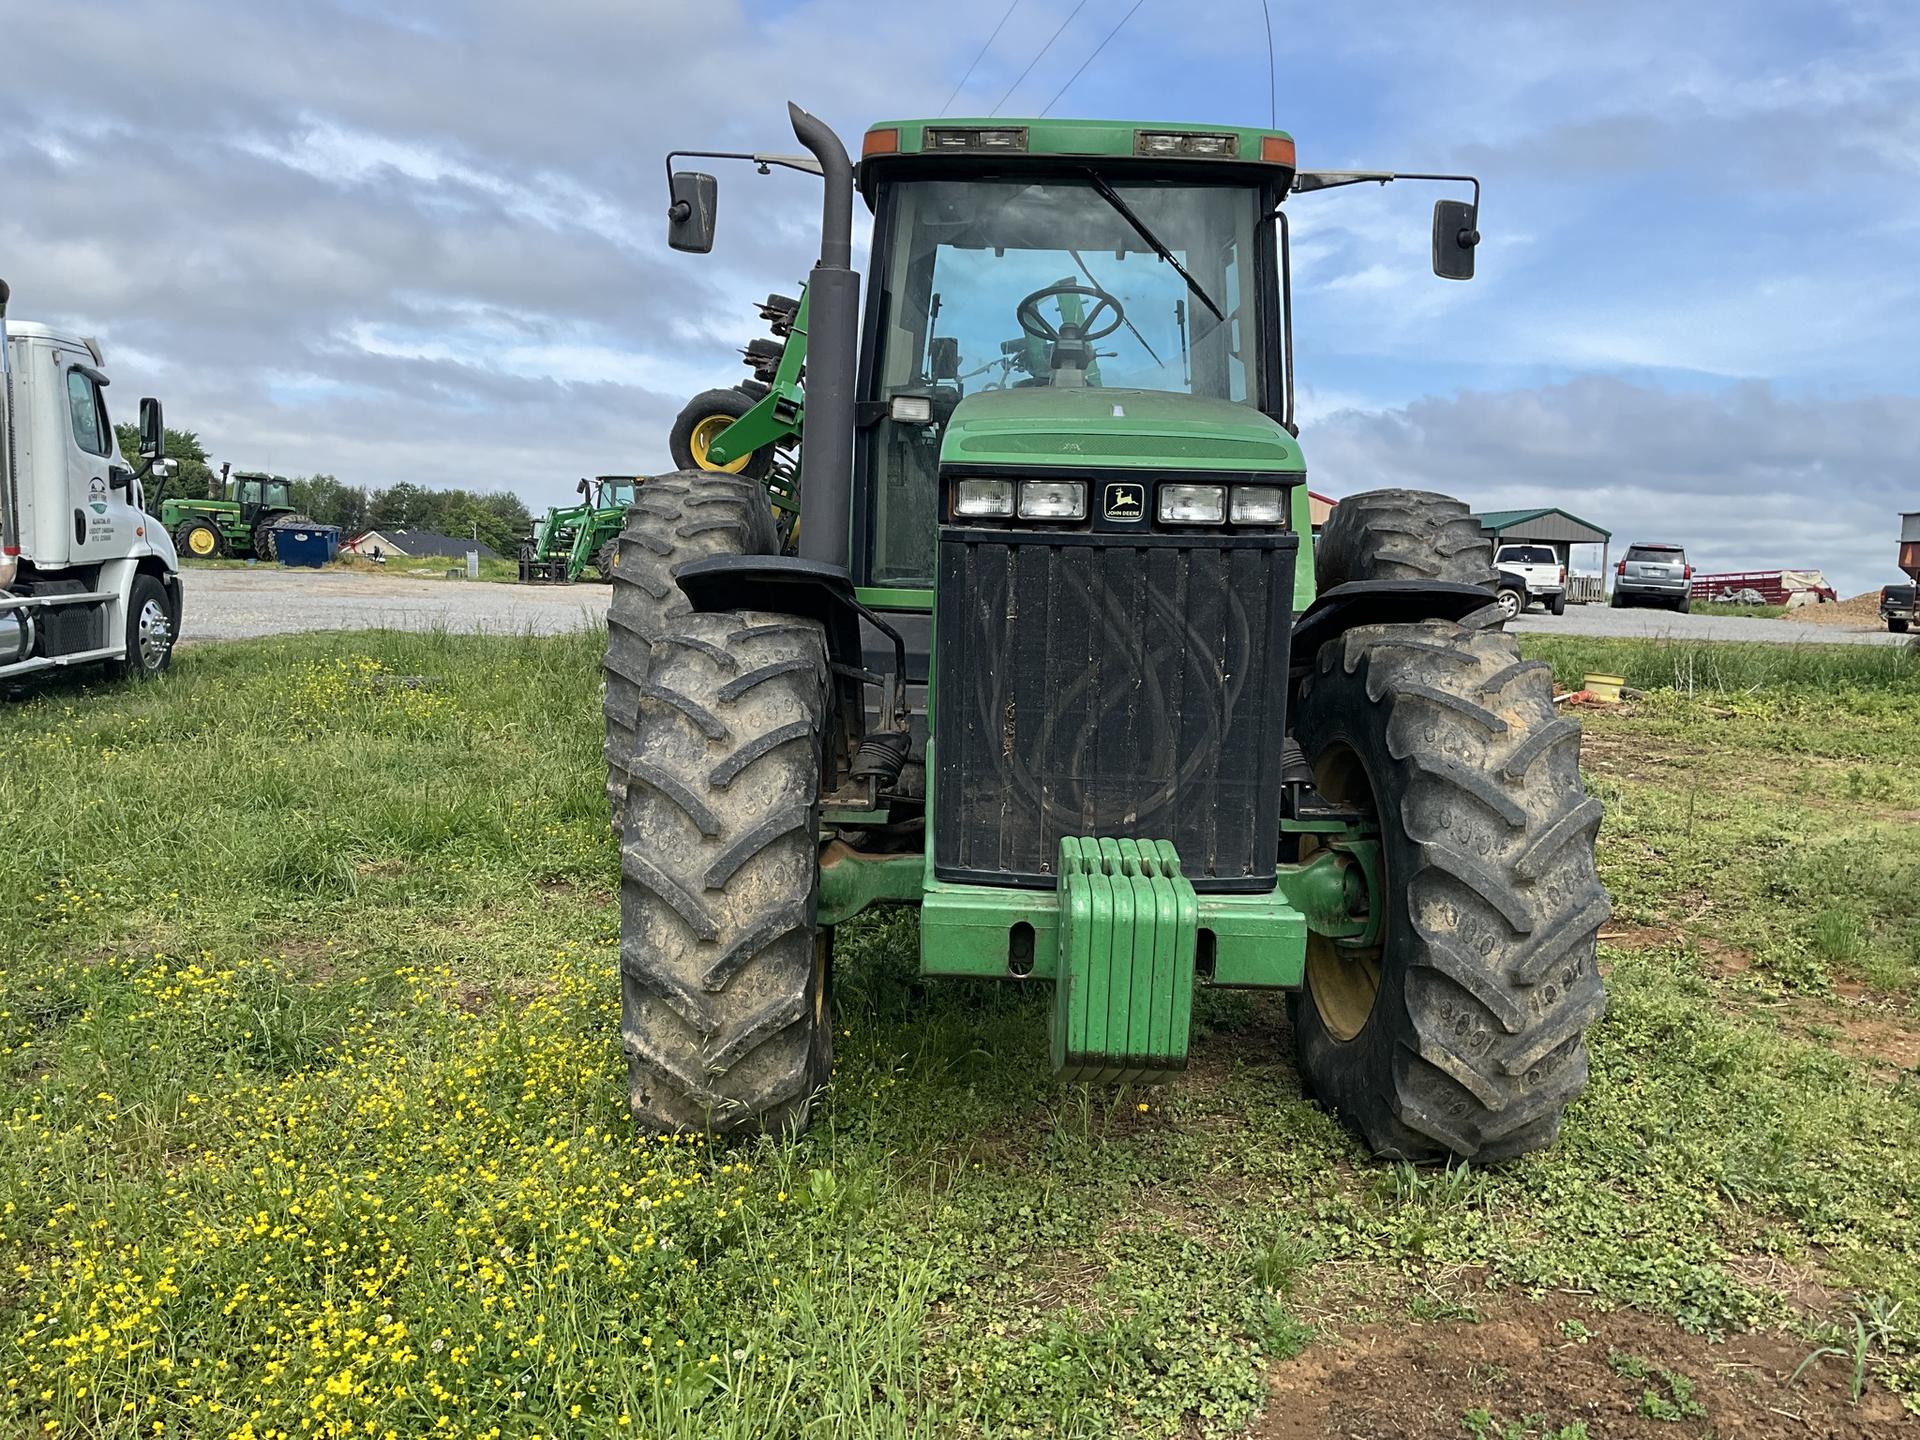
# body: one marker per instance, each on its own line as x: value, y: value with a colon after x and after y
x: 1546, y: 523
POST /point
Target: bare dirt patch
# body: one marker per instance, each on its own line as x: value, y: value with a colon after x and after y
x: 1547, y: 1366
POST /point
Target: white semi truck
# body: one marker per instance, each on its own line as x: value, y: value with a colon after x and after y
x: 86, y: 575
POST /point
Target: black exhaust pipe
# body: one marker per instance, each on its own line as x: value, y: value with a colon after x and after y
x: 833, y: 336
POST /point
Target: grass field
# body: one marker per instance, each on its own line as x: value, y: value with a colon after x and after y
x: 315, y: 1110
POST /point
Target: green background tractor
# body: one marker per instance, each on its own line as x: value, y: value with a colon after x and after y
x: 1059, y: 663
x: 572, y: 539
x: 239, y: 523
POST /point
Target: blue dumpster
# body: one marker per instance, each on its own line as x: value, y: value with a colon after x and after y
x: 311, y: 545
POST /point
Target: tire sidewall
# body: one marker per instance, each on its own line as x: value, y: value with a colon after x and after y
x: 1355, y: 1076
x: 147, y: 589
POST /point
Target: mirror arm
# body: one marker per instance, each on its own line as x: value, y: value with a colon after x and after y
x: 806, y: 164
x: 1307, y: 181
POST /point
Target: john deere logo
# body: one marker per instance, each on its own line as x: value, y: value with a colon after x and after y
x: 1124, y: 500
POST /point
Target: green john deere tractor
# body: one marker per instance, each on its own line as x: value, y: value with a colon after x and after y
x: 1060, y: 663
x: 240, y: 521
x: 571, y: 539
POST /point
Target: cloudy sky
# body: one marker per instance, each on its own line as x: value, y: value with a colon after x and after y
x: 423, y: 240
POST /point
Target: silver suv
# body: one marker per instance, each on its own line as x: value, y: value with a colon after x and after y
x: 1654, y: 575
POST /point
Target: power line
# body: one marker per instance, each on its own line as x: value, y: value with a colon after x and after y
x: 977, y: 58
x: 1096, y: 50
x: 1273, y: 103
x: 1036, y: 59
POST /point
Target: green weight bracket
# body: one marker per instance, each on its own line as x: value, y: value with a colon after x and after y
x: 1123, y: 990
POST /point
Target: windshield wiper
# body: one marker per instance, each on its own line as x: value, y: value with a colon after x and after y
x: 1154, y: 242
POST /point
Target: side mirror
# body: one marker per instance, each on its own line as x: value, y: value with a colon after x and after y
x: 944, y: 355
x: 690, y: 216
x: 1454, y: 237
x: 153, y: 430
x: 581, y: 488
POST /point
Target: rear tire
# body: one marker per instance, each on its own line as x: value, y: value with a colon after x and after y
x: 724, y: 981
x: 1897, y: 627
x: 1684, y: 606
x: 1403, y: 535
x: 1559, y: 604
x: 1512, y: 602
x: 700, y: 420
x: 674, y: 519
x: 1471, y: 1043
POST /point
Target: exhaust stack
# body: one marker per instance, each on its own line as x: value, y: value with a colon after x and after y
x: 833, y: 331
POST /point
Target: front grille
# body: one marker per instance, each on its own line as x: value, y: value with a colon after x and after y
x: 1093, y: 684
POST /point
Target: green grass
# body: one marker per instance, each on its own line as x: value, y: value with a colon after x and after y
x: 315, y: 1111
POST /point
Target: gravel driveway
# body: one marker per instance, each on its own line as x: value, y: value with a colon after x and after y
x: 1700, y: 625
x: 239, y: 604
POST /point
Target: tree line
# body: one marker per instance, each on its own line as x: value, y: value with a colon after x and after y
x: 498, y: 517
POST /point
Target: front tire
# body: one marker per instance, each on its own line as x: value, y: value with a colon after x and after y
x: 724, y: 979
x: 200, y: 539
x: 700, y: 422
x: 152, y: 626
x: 1462, y: 1032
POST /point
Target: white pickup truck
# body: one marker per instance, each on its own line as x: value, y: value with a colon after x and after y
x: 86, y: 575
x: 1546, y: 577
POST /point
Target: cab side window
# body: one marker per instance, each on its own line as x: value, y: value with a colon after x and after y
x: 90, y: 430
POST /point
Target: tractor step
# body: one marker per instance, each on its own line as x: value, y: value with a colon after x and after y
x: 1123, y: 988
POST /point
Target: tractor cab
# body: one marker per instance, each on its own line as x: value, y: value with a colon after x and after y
x: 1058, y: 257
x: 259, y: 494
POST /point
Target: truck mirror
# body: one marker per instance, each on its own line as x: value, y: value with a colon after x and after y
x: 581, y: 488
x: 1454, y: 238
x: 944, y: 355
x: 690, y: 216
x: 153, y: 430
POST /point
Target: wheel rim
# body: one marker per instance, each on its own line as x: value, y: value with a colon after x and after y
x: 704, y: 434
x: 1509, y: 604
x: 156, y: 635
x: 1345, y: 983
x: 200, y: 542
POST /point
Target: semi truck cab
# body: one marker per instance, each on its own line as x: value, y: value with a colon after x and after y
x: 86, y: 575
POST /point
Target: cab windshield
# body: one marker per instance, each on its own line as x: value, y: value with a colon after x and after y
x: 1023, y: 283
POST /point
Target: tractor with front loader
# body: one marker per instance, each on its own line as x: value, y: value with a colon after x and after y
x: 1059, y: 662
x: 569, y: 540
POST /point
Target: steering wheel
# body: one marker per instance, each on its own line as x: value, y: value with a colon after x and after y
x: 1041, y: 328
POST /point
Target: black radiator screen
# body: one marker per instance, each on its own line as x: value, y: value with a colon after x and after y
x: 1095, y: 685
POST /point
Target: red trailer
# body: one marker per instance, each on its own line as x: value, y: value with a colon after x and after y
x: 1774, y: 587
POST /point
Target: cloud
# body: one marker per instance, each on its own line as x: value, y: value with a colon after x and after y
x: 1746, y: 477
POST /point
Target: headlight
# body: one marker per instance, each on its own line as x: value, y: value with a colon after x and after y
x: 1259, y: 505
x: 1193, y: 504
x: 983, y: 499
x: 1053, y: 500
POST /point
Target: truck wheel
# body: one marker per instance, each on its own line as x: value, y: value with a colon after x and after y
x: 1559, y: 605
x: 1403, y: 535
x: 1897, y: 627
x: 1684, y: 605
x: 150, y: 632
x: 700, y: 422
x: 1512, y: 602
x: 1462, y: 1032
x: 676, y: 518
x: 200, y: 540
x: 724, y: 979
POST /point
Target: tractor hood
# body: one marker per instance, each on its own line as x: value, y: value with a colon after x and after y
x: 1115, y: 429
